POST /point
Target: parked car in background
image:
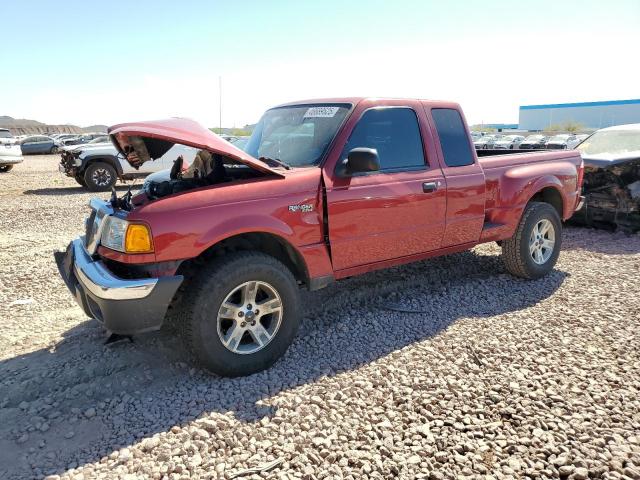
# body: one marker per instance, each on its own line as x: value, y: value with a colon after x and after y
x: 475, y: 135
x: 573, y: 143
x: 10, y: 154
x: 99, y: 139
x: 612, y: 178
x: 98, y: 166
x: 69, y: 140
x: 82, y: 139
x: 62, y: 137
x: 508, y: 142
x: 533, y: 142
x: 38, y: 144
x: 559, y: 142
x: 486, y: 142
x: 241, y: 142
x: 6, y: 137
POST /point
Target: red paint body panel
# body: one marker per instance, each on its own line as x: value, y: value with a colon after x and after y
x: 372, y: 221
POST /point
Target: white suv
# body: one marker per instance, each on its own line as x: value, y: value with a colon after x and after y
x: 98, y: 166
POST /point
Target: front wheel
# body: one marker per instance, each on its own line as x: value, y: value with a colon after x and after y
x: 99, y: 177
x: 242, y: 314
x: 533, y: 250
x: 80, y: 180
x: 5, y: 168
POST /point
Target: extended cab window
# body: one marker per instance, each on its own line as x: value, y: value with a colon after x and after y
x: 394, y: 133
x: 453, y: 137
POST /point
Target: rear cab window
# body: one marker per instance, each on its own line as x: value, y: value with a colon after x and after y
x: 454, y: 140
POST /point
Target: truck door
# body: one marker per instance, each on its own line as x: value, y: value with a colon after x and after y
x: 466, y: 184
x: 394, y: 212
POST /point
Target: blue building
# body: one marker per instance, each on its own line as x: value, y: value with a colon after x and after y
x: 590, y: 114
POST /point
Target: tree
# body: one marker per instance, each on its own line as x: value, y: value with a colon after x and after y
x: 482, y: 128
x: 569, y: 126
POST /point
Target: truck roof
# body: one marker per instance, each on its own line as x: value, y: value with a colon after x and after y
x: 356, y: 100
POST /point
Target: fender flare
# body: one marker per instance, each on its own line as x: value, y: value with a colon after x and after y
x: 259, y: 225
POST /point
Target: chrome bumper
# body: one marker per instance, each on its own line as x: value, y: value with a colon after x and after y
x: 580, y: 203
x: 10, y: 159
x: 124, y: 306
x: 94, y: 277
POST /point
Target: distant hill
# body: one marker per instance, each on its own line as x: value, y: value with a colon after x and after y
x: 22, y: 126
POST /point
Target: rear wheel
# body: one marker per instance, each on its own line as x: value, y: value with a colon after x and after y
x: 5, y: 168
x: 241, y: 314
x: 54, y: 150
x: 99, y: 177
x: 533, y: 250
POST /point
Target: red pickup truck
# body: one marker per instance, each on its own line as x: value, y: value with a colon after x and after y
x: 323, y: 190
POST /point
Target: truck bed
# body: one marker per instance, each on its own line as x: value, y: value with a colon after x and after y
x: 491, y: 159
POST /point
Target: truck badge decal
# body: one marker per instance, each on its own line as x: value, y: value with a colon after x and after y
x: 301, y: 208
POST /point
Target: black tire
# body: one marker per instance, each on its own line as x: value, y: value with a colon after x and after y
x: 99, y: 177
x: 516, y: 253
x: 54, y: 150
x: 5, y: 168
x: 80, y: 180
x: 204, y: 295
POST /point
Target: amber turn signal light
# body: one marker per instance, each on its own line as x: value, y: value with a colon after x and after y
x: 138, y: 239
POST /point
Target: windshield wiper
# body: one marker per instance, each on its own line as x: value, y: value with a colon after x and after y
x: 277, y: 161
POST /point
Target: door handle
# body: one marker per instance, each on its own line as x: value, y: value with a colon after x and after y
x: 429, y: 187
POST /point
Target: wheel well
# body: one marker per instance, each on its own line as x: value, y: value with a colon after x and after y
x: 267, y: 243
x: 551, y: 196
x: 106, y: 159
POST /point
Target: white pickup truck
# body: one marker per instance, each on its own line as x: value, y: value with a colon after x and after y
x: 10, y: 152
x: 98, y: 166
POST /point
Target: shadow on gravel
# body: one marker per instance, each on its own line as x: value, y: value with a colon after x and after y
x: 79, y: 400
x: 600, y: 241
x: 69, y: 190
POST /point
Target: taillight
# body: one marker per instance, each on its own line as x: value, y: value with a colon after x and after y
x: 580, y: 175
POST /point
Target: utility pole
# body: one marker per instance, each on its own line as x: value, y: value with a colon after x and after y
x: 220, y: 92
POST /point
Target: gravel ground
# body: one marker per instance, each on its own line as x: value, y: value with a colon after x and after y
x: 485, y: 376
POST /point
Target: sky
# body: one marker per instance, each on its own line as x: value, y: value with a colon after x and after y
x: 85, y: 62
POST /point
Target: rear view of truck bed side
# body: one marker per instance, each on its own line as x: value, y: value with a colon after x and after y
x: 511, y: 180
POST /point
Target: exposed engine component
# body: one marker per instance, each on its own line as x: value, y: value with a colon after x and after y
x: 612, y: 197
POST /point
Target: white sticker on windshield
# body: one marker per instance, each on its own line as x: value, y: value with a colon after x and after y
x: 316, y: 112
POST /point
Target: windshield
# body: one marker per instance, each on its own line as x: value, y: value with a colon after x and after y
x: 559, y: 138
x: 5, y: 134
x: 612, y: 141
x: 297, y: 135
x: 534, y: 138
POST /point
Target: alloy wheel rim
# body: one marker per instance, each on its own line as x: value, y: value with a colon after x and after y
x: 249, y: 317
x: 542, y: 241
x: 101, y: 177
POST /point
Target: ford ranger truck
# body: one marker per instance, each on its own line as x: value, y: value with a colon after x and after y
x: 323, y: 190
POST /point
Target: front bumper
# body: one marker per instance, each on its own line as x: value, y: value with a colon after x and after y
x: 124, y: 306
x: 10, y: 159
x: 580, y: 203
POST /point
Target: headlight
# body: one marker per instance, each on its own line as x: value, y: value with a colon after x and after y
x: 127, y: 237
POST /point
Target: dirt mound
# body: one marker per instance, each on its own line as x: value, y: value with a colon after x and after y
x: 21, y: 126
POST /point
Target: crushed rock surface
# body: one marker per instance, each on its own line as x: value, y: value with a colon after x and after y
x: 482, y: 376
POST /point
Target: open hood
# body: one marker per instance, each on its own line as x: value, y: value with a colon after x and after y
x: 160, y: 135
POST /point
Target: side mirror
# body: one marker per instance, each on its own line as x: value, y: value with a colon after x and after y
x: 359, y: 160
